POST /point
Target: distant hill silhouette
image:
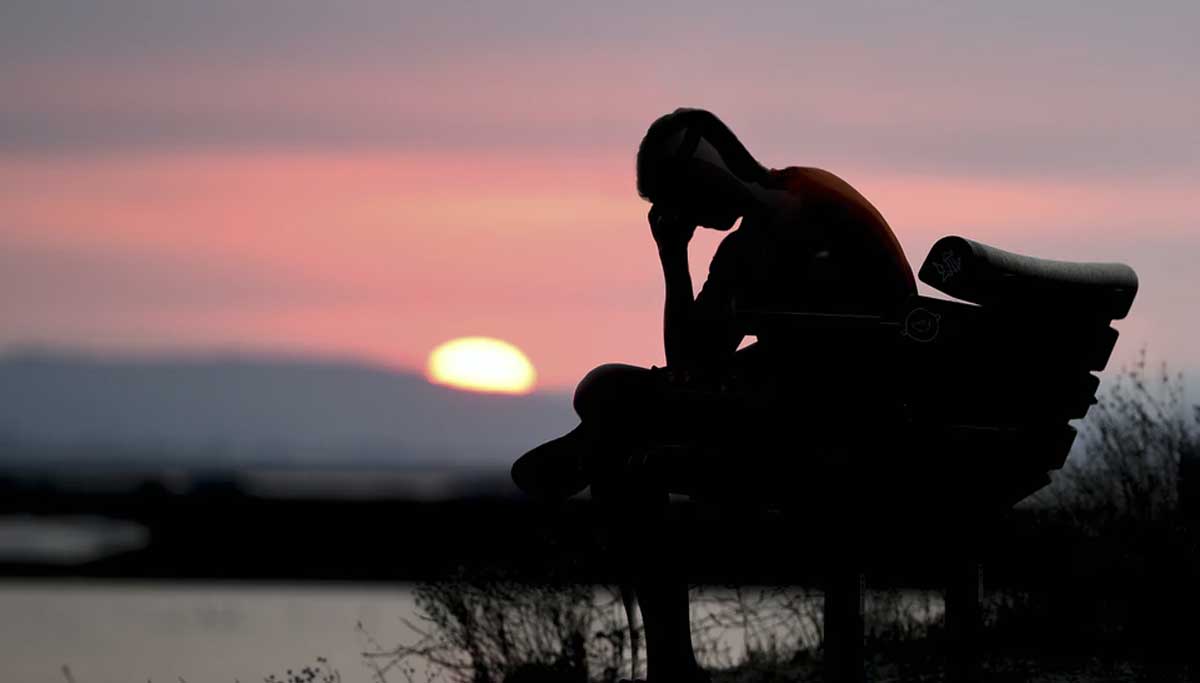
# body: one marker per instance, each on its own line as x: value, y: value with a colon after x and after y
x: 259, y: 409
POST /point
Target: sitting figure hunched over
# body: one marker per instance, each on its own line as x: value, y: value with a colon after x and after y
x: 807, y: 241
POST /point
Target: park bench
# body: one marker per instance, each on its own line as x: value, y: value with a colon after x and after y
x: 957, y: 410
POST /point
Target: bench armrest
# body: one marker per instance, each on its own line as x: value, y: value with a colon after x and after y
x: 757, y: 321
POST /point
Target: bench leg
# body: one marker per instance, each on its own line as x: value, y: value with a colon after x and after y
x: 843, y: 618
x: 963, y: 622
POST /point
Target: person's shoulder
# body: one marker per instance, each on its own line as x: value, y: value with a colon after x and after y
x: 828, y: 194
x: 811, y: 181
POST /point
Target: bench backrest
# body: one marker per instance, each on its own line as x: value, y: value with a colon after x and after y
x: 990, y: 381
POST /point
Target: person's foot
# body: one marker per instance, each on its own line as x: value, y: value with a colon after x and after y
x: 555, y: 470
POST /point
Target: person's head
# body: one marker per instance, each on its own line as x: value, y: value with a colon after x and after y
x: 690, y: 160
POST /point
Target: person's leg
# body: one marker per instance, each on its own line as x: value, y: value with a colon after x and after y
x: 617, y: 396
x: 665, y: 605
x: 629, y: 411
x: 614, y: 402
x: 675, y: 422
x: 642, y: 548
x: 625, y: 410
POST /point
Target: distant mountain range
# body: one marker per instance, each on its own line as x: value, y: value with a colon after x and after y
x: 250, y: 410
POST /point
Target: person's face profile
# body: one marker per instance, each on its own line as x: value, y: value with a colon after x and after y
x: 705, y: 193
x: 697, y: 184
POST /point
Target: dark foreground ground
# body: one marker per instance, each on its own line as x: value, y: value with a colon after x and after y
x: 998, y: 668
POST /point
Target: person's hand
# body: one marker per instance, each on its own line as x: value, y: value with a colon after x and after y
x: 669, y: 227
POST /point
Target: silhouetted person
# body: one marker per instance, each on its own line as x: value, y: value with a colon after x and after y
x: 807, y: 242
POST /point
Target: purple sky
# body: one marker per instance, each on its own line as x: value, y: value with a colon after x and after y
x: 374, y: 178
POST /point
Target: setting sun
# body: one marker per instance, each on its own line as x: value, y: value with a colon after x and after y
x: 481, y: 364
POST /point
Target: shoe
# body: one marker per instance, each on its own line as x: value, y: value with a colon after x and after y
x: 555, y: 470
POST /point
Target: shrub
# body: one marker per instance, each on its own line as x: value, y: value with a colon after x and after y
x: 484, y: 627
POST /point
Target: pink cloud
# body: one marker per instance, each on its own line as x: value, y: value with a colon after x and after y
x: 398, y: 252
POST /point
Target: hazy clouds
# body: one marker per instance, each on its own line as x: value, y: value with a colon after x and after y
x: 1018, y: 87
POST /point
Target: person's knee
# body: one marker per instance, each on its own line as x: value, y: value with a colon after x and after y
x: 604, y: 387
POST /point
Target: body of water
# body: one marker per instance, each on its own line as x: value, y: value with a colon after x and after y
x: 136, y: 632
x: 199, y: 633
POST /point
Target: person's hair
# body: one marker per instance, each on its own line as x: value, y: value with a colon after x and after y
x: 652, y: 152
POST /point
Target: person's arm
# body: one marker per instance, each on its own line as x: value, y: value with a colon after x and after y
x: 672, y: 235
x: 699, y: 330
x: 716, y: 335
x: 713, y: 329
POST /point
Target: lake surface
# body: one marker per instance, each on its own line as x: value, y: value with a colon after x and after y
x: 201, y: 633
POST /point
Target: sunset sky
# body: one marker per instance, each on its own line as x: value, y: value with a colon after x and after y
x: 371, y: 179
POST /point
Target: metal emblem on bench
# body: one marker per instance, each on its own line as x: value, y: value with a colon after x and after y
x: 950, y: 266
x: 922, y: 325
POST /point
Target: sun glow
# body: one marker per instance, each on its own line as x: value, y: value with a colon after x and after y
x: 481, y: 364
